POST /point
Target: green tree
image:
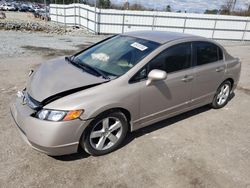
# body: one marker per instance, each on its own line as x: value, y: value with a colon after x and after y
x: 214, y: 11
x: 104, y: 3
x: 137, y: 6
x: 168, y: 8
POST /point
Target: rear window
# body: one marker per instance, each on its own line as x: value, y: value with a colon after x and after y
x: 207, y: 53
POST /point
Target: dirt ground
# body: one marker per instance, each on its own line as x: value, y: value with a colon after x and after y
x: 20, y: 16
x: 201, y: 148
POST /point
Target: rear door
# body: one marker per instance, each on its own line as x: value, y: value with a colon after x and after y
x: 209, y: 71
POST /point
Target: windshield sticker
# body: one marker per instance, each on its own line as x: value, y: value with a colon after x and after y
x: 100, y: 56
x: 139, y: 46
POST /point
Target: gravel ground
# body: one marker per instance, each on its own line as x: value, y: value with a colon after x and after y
x: 23, y: 21
x: 21, y: 16
x: 201, y: 148
x: 20, y: 44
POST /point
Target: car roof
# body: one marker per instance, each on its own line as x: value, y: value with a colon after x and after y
x: 160, y: 36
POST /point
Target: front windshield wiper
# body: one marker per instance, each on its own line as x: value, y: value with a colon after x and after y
x: 85, y: 66
x: 69, y: 59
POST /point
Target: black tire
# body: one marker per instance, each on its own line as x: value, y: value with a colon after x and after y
x: 215, y: 104
x: 86, y: 140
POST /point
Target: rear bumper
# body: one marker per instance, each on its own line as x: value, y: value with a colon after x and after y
x: 52, y: 138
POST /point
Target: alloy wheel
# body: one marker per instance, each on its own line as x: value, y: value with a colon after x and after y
x: 106, y: 133
x: 223, y: 95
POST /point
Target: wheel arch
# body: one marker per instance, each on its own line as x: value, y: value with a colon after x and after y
x: 122, y: 110
x: 115, y: 109
x: 214, y: 103
x: 231, y: 80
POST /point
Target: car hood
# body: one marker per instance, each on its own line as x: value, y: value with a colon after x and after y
x: 57, y: 77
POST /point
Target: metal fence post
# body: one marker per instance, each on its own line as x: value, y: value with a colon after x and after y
x: 123, y: 21
x: 184, y: 26
x: 87, y: 19
x: 215, y: 24
x: 64, y: 15
x: 75, y: 12
x: 244, y: 33
x: 153, y: 22
x: 98, y: 21
x: 79, y: 16
x: 95, y: 16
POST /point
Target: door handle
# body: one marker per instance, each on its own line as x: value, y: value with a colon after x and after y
x: 219, y: 69
x: 187, y: 78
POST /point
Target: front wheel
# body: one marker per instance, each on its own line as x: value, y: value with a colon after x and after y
x: 105, y: 134
x: 222, y: 95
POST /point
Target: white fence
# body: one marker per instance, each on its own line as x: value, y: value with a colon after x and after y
x: 110, y: 21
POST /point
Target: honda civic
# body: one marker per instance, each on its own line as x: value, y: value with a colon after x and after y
x: 93, y: 98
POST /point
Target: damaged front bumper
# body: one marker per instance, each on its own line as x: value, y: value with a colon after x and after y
x: 52, y: 138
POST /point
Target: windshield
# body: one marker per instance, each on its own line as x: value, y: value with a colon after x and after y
x: 115, y: 56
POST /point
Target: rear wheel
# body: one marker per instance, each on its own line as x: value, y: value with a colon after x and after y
x: 222, y: 95
x: 105, y: 134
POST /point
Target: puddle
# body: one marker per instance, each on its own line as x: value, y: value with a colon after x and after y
x: 48, y: 52
x: 51, y: 52
x: 65, y: 40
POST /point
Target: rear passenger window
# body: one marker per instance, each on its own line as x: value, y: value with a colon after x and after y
x: 207, y: 53
x: 173, y: 59
x: 220, y: 54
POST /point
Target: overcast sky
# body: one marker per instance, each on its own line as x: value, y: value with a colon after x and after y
x: 189, y: 5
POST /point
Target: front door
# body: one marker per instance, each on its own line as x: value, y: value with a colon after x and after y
x: 165, y: 97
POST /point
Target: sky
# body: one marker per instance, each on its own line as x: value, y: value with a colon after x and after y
x: 188, y: 5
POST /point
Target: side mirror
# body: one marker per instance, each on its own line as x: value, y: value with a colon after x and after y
x: 155, y: 75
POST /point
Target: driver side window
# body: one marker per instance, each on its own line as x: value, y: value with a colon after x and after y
x: 173, y: 59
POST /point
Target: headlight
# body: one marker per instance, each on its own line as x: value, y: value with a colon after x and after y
x: 56, y: 115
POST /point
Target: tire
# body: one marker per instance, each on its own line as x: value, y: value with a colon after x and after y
x: 105, y: 133
x: 221, y: 98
